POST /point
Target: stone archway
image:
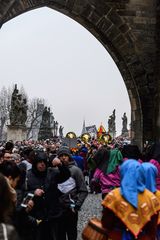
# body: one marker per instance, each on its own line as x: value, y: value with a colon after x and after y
x: 128, y: 30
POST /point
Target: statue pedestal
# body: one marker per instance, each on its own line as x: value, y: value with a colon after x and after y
x: 113, y: 134
x: 16, y: 133
x: 125, y: 132
x: 45, y: 133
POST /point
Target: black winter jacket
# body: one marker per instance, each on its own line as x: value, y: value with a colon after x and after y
x: 47, y: 207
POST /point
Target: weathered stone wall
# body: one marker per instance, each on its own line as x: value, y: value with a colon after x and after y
x: 129, y: 30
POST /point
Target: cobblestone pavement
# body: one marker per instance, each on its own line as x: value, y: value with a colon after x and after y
x: 91, y: 207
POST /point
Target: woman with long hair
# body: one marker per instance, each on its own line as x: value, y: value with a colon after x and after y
x: 107, y: 169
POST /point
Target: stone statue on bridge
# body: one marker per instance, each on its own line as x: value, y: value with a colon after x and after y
x: 55, y: 128
x: 45, y: 131
x: 61, y: 132
x: 17, y: 130
x: 46, y: 117
x: 18, y: 112
x: 124, y: 125
x: 111, y: 122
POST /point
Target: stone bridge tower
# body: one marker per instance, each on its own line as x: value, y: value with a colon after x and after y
x: 130, y: 31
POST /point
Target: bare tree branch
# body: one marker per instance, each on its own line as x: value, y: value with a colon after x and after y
x: 35, y: 110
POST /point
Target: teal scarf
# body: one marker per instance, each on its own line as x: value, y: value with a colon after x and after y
x: 115, y: 159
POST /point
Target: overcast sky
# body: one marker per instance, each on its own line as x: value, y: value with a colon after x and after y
x: 55, y: 58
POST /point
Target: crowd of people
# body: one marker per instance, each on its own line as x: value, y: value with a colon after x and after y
x: 44, y: 184
x: 47, y: 191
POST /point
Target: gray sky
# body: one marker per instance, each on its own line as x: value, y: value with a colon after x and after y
x: 57, y: 59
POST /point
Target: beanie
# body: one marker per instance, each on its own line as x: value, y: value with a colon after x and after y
x: 64, y: 150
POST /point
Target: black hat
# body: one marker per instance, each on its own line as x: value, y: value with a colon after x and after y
x: 64, y: 150
x: 131, y: 151
x: 40, y: 157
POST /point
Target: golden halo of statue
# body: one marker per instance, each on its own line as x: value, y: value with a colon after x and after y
x: 85, y: 137
x: 71, y: 135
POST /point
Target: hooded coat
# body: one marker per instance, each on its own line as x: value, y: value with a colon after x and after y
x: 47, y: 206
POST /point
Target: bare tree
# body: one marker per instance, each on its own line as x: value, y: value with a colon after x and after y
x: 5, y: 104
x: 35, y: 110
x: 23, y: 92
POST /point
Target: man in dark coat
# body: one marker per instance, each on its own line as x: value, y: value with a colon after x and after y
x: 42, y: 181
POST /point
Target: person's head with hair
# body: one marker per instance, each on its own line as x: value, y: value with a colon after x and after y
x: 101, y: 158
x: 7, y: 156
x: 53, y: 149
x: 28, y: 154
x: 11, y: 171
x: 9, y: 146
x: 6, y: 204
x: 131, y: 152
x: 150, y: 172
x: 132, y: 181
x: 16, y: 158
x: 15, y: 150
